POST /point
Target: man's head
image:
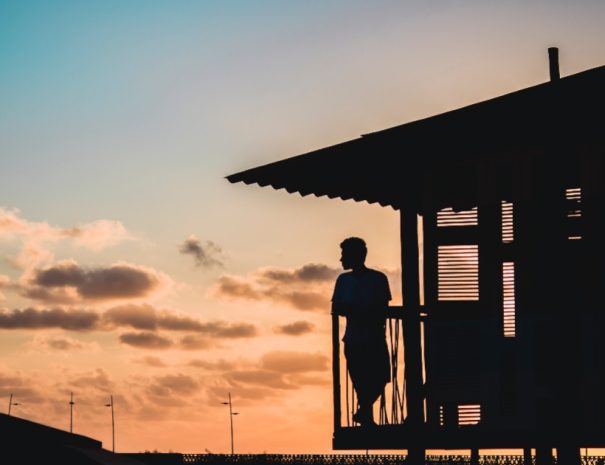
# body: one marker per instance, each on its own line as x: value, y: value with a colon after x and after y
x: 353, y: 253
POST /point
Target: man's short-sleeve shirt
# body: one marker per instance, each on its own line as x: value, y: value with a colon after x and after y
x: 370, y: 290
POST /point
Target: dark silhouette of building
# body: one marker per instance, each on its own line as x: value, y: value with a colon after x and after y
x: 25, y: 442
x: 500, y: 344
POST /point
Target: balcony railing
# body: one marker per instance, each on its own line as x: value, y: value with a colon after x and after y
x: 391, y: 407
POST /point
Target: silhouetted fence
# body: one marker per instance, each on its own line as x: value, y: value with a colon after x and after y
x: 359, y: 459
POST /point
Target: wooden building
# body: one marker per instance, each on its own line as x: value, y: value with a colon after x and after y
x: 503, y: 345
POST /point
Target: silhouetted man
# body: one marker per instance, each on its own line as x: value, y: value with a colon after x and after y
x: 362, y: 296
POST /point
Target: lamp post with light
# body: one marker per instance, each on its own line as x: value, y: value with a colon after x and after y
x: 231, y: 414
x: 113, y: 425
x: 71, y: 413
x: 11, y: 403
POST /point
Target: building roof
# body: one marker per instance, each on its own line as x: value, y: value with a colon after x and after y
x: 435, y: 160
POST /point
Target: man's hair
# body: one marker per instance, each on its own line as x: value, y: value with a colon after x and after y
x: 355, y: 245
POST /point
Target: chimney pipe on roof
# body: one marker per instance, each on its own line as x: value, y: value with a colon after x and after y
x: 553, y: 61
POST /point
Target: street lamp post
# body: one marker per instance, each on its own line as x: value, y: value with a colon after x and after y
x: 231, y: 414
x: 71, y: 413
x: 11, y: 403
x: 113, y: 425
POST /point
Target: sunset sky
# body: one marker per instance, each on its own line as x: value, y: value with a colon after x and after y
x: 130, y: 267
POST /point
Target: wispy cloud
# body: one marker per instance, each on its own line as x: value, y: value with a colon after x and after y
x: 214, y: 365
x: 195, y: 342
x: 153, y: 327
x: 312, y: 272
x: 147, y: 317
x: 5, y: 283
x: 297, y: 328
x: 32, y: 318
x: 205, y: 255
x: 294, y: 362
x: 274, y: 373
x: 97, y: 380
x: 304, y: 288
x: 146, y: 340
x: 151, y: 361
x: 61, y: 343
x: 23, y: 387
x: 36, y: 236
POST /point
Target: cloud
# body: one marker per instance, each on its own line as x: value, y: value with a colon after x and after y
x: 61, y: 343
x: 149, y: 322
x: 147, y: 317
x: 275, y: 372
x: 151, y: 361
x: 312, y: 272
x: 174, y: 390
x: 36, y: 236
x: 266, y: 378
x: 97, y: 380
x: 30, y: 318
x: 294, y: 362
x: 218, y: 365
x: 206, y: 256
x: 296, y: 328
x: 301, y: 300
x: 233, y: 287
x: 98, y: 235
x: 252, y: 393
x: 175, y: 384
x: 308, y: 287
x: 68, y: 282
x: 303, y: 379
x: 304, y: 288
x: 5, y: 283
x: 22, y: 388
x: 195, y: 342
x: 146, y: 340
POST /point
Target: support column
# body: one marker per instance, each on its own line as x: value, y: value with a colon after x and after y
x: 544, y: 456
x: 411, y: 328
x: 474, y: 456
x: 568, y: 455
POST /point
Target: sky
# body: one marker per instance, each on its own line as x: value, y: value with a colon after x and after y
x: 130, y: 267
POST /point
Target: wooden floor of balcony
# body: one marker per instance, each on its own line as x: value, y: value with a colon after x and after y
x: 405, y: 436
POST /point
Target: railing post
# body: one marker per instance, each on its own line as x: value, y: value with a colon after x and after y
x: 527, y: 459
x: 336, y: 371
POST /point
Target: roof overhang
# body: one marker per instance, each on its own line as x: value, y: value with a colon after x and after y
x: 435, y: 161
